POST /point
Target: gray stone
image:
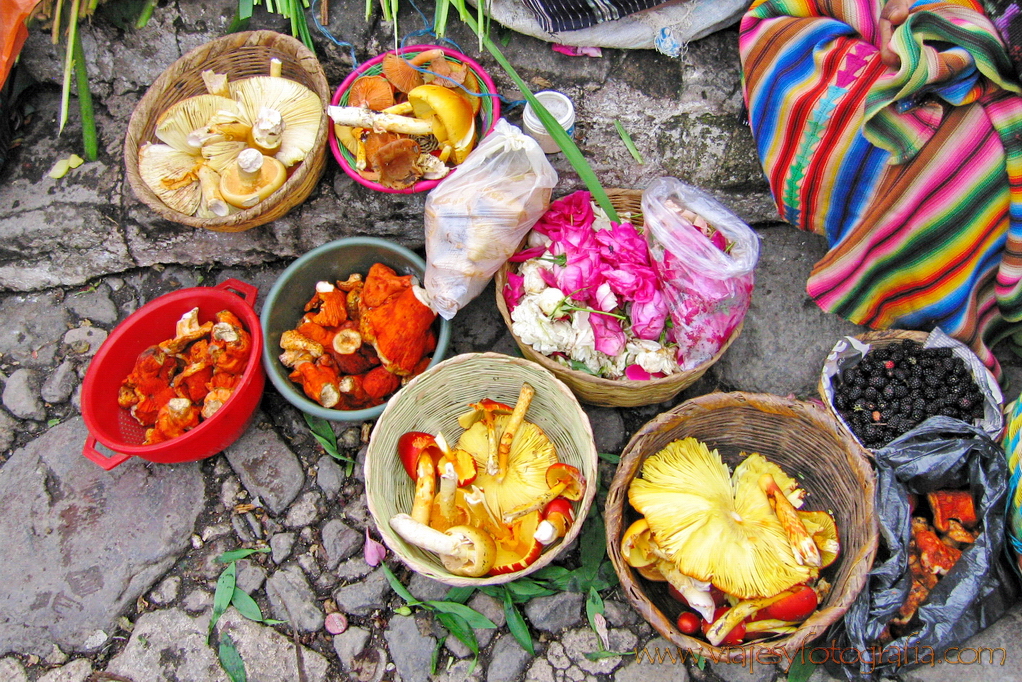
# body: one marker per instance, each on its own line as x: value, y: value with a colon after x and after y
x: 542, y: 671
x: 340, y: 542
x: 293, y: 600
x: 93, y: 305
x: 410, y: 648
x: 9, y: 427
x: 361, y: 598
x: 748, y: 670
x: 21, y: 395
x: 786, y: 337
x: 309, y: 564
x: 250, y: 577
x: 557, y: 656
x: 11, y: 670
x: 492, y: 609
x: 59, y: 385
x: 608, y: 428
x: 166, y: 591
x: 242, y: 529
x: 460, y: 671
x: 353, y: 568
x: 32, y: 329
x: 642, y: 669
x: 425, y: 589
x: 75, y: 671
x: 280, y: 545
x: 56, y: 656
x: 329, y: 477
x: 619, y: 614
x: 304, y: 512
x: 93, y: 554
x: 85, y: 341
x: 167, y: 646
x: 820, y: 674
x: 266, y: 467
x: 197, y: 601
x: 215, y: 531
x: 229, y: 490
x: 350, y: 644
x: 507, y: 660
x: 356, y: 511
x: 577, y: 643
x: 996, y: 645
x: 555, y: 612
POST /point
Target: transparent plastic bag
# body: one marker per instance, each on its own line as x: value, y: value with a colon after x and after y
x: 476, y: 219
x: 708, y: 289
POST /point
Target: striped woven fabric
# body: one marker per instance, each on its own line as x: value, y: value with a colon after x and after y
x: 914, y: 175
x: 571, y: 15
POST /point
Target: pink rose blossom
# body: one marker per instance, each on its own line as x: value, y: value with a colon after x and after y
x: 622, y: 244
x: 571, y: 212
x: 648, y: 318
x: 605, y: 299
x: 526, y: 254
x: 514, y: 290
x: 609, y: 338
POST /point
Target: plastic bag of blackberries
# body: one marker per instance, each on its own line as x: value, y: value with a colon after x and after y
x: 942, y: 454
x: 882, y: 385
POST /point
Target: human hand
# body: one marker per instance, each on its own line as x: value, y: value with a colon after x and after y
x: 894, y: 14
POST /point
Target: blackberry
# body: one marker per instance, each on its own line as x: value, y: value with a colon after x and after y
x: 918, y: 415
x: 930, y: 393
x: 840, y: 401
x: 848, y: 375
x: 914, y: 383
x: 933, y: 378
x: 870, y: 393
x: 853, y: 393
x: 965, y: 403
x: 877, y: 381
x: 888, y: 391
x: 900, y: 374
x: 942, y: 352
x: 900, y: 390
x: 952, y: 379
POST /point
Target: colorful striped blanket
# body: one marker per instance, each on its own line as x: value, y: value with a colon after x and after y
x: 913, y: 175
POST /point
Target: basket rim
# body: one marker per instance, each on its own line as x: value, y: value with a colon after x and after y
x: 421, y: 185
x: 589, y: 456
x: 270, y: 361
x: 187, y: 298
x: 249, y: 217
x: 809, y: 629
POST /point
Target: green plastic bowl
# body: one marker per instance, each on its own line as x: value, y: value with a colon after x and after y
x: 286, y: 301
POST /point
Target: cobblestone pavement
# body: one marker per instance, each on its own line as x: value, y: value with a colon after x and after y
x: 115, y: 573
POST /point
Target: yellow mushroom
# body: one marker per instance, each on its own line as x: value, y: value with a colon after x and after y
x: 252, y: 178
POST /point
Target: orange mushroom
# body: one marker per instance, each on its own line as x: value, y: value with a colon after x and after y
x: 521, y: 549
x: 319, y: 380
x: 374, y: 92
x: 175, y: 417
x: 557, y: 518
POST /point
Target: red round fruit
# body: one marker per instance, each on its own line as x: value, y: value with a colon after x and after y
x: 794, y: 607
x: 689, y: 622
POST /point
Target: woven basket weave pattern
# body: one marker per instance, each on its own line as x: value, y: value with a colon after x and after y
x: 432, y: 403
x: 238, y: 55
x: 805, y: 442
x: 599, y: 390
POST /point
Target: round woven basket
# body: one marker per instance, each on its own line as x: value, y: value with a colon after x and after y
x: 599, y: 390
x: 239, y: 55
x: 489, y: 112
x: 879, y: 339
x: 432, y: 403
x: 805, y: 442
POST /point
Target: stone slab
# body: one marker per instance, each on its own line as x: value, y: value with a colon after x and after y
x: 90, y: 542
x: 267, y: 467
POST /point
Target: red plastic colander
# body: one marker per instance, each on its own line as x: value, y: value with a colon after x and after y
x: 114, y: 426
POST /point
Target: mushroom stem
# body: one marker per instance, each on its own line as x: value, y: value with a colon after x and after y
x: 802, y: 546
x: 535, y: 505
x: 491, y: 445
x: 425, y: 488
x: 276, y: 68
x: 511, y: 428
x: 209, y: 183
x: 250, y: 165
x: 693, y: 590
x: 483, y: 515
x: 268, y: 131
x: 359, y: 117
x: 421, y: 535
x: 442, y: 517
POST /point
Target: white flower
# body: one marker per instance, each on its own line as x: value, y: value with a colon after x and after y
x: 533, y: 280
x: 652, y: 357
x: 549, y: 300
x: 605, y: 298
x: 537, y: 239
x: 600, y: 219
x: 583, y: 348
x: 534, y: 327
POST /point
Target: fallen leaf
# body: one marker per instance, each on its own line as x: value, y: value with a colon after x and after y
x: 60, y: 169
x: 74, y: 161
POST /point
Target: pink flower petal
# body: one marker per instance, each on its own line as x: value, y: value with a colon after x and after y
x: 336, y: 623
x: 514, y: 290
x: 607, y: 334
x: 373, y: 551
x: 637, y: 373
x: 526, y: 254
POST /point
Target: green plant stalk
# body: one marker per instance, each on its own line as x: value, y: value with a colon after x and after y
x: 65, y: 93
x: 90, y: 142
x: 564, y: 141
x: 146, y: 14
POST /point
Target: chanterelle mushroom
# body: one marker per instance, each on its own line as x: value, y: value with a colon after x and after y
x: 709, y: 528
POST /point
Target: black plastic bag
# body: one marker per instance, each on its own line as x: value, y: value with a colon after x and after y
x: 941, y: 453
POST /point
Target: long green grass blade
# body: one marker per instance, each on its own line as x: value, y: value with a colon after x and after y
x: 65, y: 93
x: 629, y: 145
x: 440, y: 17
x: 564, y: 141
x: 90, y: 141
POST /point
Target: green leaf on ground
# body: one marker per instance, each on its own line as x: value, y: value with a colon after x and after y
x: 516, y: 624
x: 236, y: 554
x: 396, y: 585
x: 801, y: 669
x: 609, y: 457
x: 470, y: 615
x: 460, y: 595
x: 629, y: 145
x: 457, y: 626
x: 231, y: 660
x: 224, y: 593
x: 246, y: 605
x: 324, y: 434
x: 600, y: 655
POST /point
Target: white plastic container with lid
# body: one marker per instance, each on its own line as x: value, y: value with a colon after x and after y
x: 561, y: 108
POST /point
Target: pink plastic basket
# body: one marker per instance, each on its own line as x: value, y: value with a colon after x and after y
x: 489, y: 112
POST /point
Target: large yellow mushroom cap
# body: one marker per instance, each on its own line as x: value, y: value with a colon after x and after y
x: 709, y: 531
x: 531, y: 455
x: 177, y: 123
x: 300, y: 111
x: 172, y: 175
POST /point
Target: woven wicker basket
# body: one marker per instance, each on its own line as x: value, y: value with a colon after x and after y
x: 239, y: 55
x: 879, y: 339
x: 599, y: 390
x: 432, y: 403
x: 804, y: 441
